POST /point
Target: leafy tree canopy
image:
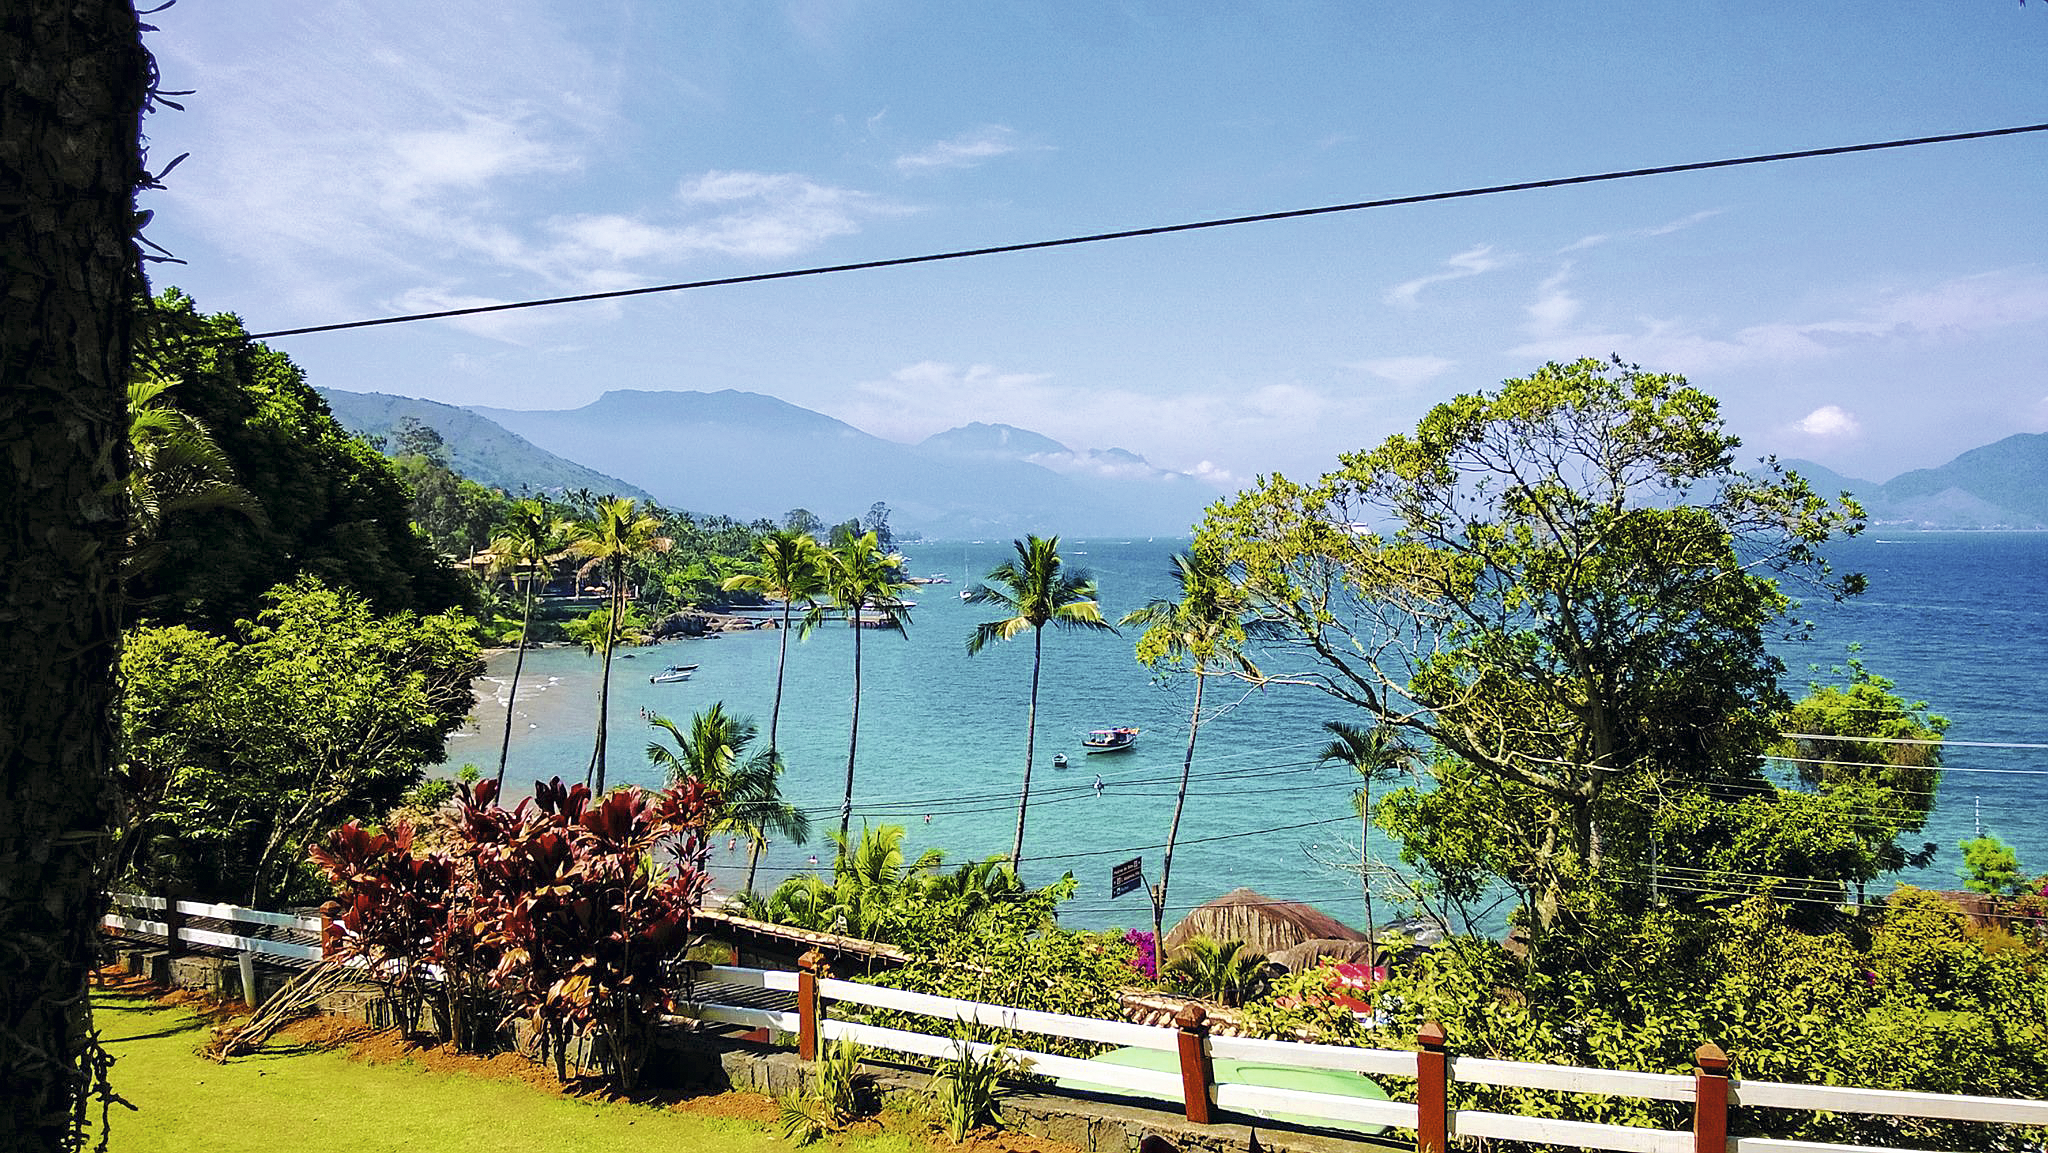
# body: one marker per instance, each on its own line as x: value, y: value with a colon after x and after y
x: 331, y: 505
x: 239, y: 752
x: 1566, y: 585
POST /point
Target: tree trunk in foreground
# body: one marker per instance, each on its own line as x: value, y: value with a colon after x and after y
x: 1180, y: 800
x: 70, y: 111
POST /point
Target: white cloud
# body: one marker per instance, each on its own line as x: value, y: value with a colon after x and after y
x: 1555, y: 308
x: 1600, y: 238
x: 1949, y: 310
x: 1407, y: 371
x: 963, y: 151
x: 1828, y: 422
x: 1472, y: 262
x: 1178, y: 433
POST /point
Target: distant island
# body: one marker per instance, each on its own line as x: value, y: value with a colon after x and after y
x: 2003, y: 485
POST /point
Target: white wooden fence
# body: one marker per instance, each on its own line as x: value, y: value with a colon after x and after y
x: 1431, y: 1066
x: 171, y: 918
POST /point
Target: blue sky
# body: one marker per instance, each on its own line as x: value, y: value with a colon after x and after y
x: 1875, y: 313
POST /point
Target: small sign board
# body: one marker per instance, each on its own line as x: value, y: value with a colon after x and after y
x: 1126, y: 876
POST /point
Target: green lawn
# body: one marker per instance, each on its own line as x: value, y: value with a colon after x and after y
x: 275, y: 1102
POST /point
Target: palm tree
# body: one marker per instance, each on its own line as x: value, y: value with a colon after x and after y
x: 864, y: 583
x: 1036, y: 589
x: 174, y: 465
x: 610, y: 544
x: 790, y: 568
x: 1226, y: 972
x: 531, y: 537
x: 1205, y: 631
x: 1376, y: 754
x: 715, y: 752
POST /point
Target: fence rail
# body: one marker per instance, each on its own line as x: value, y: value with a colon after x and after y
x: 1195, y: 1085
x: 1197, y: 1088
x: 169, y: 921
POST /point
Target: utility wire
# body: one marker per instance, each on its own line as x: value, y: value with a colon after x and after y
x: 1133, y: 233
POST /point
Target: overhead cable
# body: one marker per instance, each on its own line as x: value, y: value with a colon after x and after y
x: 1134, y: 233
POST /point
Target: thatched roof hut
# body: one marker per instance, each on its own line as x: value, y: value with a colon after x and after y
x: 1309, y: 954
x: 1263, y: 923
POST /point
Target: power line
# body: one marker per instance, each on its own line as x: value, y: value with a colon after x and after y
x: 1134, y: 233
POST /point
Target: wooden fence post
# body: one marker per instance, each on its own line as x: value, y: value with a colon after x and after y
x: 330, y: 948
x: 807, y: 1006
x: 1197, y: 1072
x: 174, y: 922
x: 1432, y: 1091
x: 1710, y: 1101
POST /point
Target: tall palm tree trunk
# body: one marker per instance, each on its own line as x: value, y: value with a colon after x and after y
x: 853, y: 741
x: 70, y: 111
x: 1364, y: 868
x: 604, y: 698
x: 1187, y: 765
x: 781, y: 664
x: 755, y: 844
x: 1030, y: 739
x: 512, y: 694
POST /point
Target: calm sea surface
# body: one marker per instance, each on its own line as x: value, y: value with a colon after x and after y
x: 1958, y: 619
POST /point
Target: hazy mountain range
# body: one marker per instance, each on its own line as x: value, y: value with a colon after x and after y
x: 748, y: 455
x: 478, y: 448
x: 2001, y: 485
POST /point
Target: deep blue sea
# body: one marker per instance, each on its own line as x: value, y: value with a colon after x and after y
x: 1957, y: 619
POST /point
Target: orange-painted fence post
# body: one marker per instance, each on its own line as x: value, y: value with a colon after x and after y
x: 1432, y: 1090
x: 807, y: 1007
x: 1710, y: 1101
x: 1197, y: 1072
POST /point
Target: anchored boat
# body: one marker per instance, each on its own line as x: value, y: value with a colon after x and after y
x: 1111, y: 740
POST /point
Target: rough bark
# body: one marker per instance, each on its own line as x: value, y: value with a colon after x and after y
x: 73, y: 79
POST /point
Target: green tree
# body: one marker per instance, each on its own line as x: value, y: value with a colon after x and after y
x: 1376, y: 754
x: 1565, y: 584
x: 529, y: 541
x: 714, y: 751
x: 319, y: 712
x: 788, y: 567
x: 1037, y: 589
x: 332, y: 505
x: 1990, y: 866
x: 174, y: 466
x: 865, y: 583
x: 1874, y: 758
x: 1204, y: 632
x: 1222, y: 971
x: 610, y: 544
x: 70, y: 114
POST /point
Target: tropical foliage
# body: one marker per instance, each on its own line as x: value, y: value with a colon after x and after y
x: 865, y: 584
x: 238, y: 751
x: 1226, y: 972
x: 330, y: 504
x: 840, y: 1094
x: 715, y: 751
x: 1204, y: 632
x: 610, y: 544
x: 967, y: 1088
x: 1037, y: 588
x: 526, y: 545
x: 575, y: 912
x: 788, y: 567
x: 1566, y: 586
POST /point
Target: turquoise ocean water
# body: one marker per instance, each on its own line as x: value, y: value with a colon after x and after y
x: 1956, y: 618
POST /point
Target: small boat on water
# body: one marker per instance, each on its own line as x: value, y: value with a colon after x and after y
x: 1111, y: 740
x: 1059, y: 760
x: 672, y: 674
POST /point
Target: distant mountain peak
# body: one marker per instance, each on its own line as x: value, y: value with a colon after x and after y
x: 999, y: 440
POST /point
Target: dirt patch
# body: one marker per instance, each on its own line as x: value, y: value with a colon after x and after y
x: 736, y: 1106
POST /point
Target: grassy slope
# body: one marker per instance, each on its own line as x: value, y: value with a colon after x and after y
x: 325, y: 1101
